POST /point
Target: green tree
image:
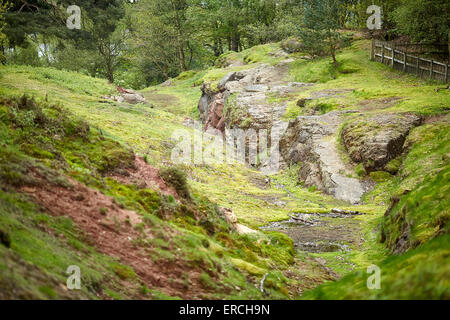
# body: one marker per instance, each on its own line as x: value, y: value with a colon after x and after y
x: 3, y: 38
x: 35, y: 24
x: 319, y: 28
x: 424, y: 20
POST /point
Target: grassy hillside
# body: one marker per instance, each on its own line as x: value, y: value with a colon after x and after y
x: 48, y: 151
x: 68, y: 138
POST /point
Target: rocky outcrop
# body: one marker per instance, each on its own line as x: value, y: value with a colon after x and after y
x: 311, y: 141
x: 376, y: 140
x: 214, y: 117
x: 128, y: 96
x: 230, y: 217
x: 244, y: 96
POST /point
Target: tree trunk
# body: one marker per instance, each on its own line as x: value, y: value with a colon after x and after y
x: 180, y: 39
x: 235, y: 38
x: 104, y: 49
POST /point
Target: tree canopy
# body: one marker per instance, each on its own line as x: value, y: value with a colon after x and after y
x: 137, y: 43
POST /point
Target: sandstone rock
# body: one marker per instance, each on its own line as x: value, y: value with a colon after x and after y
x: 376, y: 140
x: 311, y: 141
x: 228, y: 215
x: 133, y: 98
x: 241, y: 229
x: 215, y: 118
x: 257, y: 88
x: 231, y: 218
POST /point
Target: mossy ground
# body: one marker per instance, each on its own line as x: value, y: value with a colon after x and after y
x: 41, y: 136
x: 230, y: 264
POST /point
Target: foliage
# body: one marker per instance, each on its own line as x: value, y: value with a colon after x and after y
x: 410, y: 17
x: 319, y: 29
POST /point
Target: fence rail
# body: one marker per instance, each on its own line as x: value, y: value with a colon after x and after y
x: 400, y: 60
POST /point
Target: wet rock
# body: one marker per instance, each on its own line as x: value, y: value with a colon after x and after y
x: 375, y: 140
x: 340, y: 211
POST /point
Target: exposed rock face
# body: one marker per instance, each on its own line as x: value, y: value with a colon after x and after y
x: 376, y: 140
x: 241, y: 100
x: 215, y: 118
x: 244, y: 94
x: 311, y: 141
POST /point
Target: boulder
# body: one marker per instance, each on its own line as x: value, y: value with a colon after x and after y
x: 133, y: 98
x: 376, y: 140
x: 232, y: 76
x: 231, y: 218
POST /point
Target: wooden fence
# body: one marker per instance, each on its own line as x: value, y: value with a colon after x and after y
x: 426, y: 68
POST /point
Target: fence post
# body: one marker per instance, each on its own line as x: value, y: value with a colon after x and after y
x: 446, y: 73
x: 418, y: 66
x: 372, y: 50
x: 431, y: 70
x: 382, y: 53
x: 393, y: 56
x: 404, y: 62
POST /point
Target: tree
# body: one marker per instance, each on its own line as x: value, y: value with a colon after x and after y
x: 424, y: 20
x: 319, y: 29
x: 43, y: 23
x: 105, y: 33
x: 3, y: 38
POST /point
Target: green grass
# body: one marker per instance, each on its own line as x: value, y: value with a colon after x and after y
x: 66, y: 146
x: 49, y: 254
x: 366, y: 81
x: 224, y: 260
x: 422, y: 273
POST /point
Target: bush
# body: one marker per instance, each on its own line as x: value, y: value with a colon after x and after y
x: 177, y: 179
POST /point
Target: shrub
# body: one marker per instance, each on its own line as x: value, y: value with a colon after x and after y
x: 177, y: 179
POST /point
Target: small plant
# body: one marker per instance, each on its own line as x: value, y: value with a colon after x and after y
x: 145, y: 290
x: 176, y: 178
x: 360, y: 171
x: 103, y: 211
x: 186, y: 280
x: 124, y: 272
x: 206, y: 281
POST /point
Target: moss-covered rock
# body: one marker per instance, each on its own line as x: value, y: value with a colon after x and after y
x: 376, y: 140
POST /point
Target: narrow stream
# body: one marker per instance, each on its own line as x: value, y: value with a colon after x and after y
x: 320, y: 232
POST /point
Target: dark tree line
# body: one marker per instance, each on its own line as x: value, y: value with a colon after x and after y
x: 147, y: 41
